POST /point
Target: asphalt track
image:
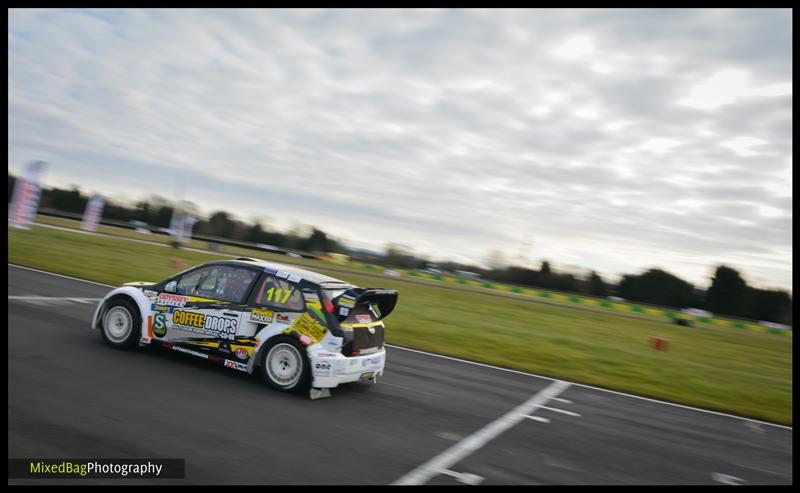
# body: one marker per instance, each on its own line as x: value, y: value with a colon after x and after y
x: 430, y: 420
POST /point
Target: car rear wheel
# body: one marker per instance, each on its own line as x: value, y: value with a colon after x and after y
x: 284, y: 365
x: 121, y: 324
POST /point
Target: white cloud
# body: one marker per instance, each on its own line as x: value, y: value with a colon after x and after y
x: 455, y: 131
x: 728, y: 86
x: 743, y: 146
x: 577, y: 47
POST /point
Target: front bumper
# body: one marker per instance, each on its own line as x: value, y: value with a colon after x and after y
x: 328, y: 370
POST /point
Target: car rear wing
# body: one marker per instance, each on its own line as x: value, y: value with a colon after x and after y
x: 382, y: 301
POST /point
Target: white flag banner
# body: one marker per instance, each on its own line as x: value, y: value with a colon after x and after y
x: 180, y: 226
x: 186, y: 230
x: 27, y: 193
x: 93, y: 212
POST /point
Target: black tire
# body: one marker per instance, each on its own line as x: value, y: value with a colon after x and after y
x: 283, y: 352
x: 121, y: 324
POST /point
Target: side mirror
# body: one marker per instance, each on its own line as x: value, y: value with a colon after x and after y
x: 171, y: 286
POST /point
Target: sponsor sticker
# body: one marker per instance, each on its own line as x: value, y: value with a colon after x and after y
x: 322, y: 369
x: 162, y: 308
x: 294, y: 278
x: 308, y: 326
x: 235, y: 365
x: 344, y: 311
x: 261, y: 316
x: 269, y: 270
x: 371, y: 362
x: 311, y: 298
x: 347, y: 301
x: 200, y: 323
x: 367, y: 375
x: 364, y: 319
x: 306, y: 340
x: 282, y: 319
x: 160, y: 324
x: 171, y: 299
x: 282, y: 274
x: 242, y: 353
x: 150, y: 294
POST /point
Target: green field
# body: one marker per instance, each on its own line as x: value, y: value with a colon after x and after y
x: 738, y: 371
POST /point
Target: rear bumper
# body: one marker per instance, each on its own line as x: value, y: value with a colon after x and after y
x: 328, y: 370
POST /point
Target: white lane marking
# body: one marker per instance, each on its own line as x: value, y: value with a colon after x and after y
x: 589, y: 386
x: 53, y: 298
x: 464, y: 477
x: 562, y: 411
x: 423, y: 473
x: 565, y: 401
x: 104, y: 235
x: 502, y: 369
x: 538, y: 418
x: 726, y: 479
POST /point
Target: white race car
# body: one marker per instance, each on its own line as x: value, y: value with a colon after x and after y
x: 301, y: 330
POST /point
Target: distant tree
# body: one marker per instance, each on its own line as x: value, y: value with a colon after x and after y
x: 64, y: 200
x: 318, y: 241
x: 597, y: 286
x: 657, y: 287
x: 521, y: 275
x: 769, y: 305
x: 545, y: 271
x: 163, y: 217
x: 402, y: 256
x: 728, y: 292
x: 220, y: 224
x: 546, y: 278
x: 254, y: 234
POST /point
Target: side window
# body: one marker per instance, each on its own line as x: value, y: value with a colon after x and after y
x: 218, y: 282
x: 187, y: 285
x: 279, y: 293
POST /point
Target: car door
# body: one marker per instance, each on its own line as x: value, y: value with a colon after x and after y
x: 205, y: 311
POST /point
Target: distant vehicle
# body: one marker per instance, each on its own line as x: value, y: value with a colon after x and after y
x: 463, y: 274
x: 300, y: 330
x: 617, y: 299
x: 696, y: 312
x: 139, y: 226
x: 431, y: 270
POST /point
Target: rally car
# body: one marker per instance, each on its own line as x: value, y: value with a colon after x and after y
x: 300, y: 330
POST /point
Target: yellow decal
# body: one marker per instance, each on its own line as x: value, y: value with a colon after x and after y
x: 361, y: 326
x: 308, y: 326
x: 236, y: 347
x: 280, y: 295
x: 261, y: 316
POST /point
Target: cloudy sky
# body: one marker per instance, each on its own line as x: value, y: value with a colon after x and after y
x: 606, y: 139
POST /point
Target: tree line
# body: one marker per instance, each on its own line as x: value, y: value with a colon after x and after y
x: 728, y: 294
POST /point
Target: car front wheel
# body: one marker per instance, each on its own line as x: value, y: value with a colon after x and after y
x: 121, y: 324
x: 284, y: 365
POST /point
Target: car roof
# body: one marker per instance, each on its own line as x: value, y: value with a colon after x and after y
x: 314, y: 277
